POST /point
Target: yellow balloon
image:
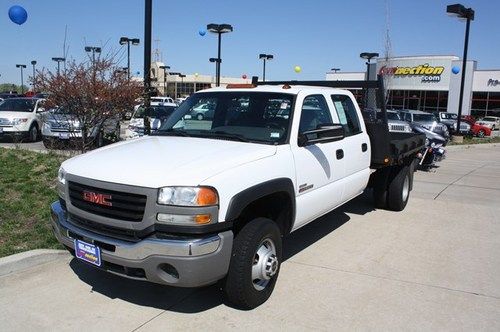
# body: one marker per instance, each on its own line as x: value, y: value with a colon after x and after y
x: 297, y: 69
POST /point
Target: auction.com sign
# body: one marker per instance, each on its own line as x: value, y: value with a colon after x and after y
x: 426, y: 72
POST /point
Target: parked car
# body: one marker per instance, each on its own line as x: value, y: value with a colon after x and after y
x: 426, y: 120
x: 396, y: 123
x: 157, y: 115
x: 20, y: 118
x: 491, y: 122
x: 60, y: 128
x: 477, y: 129
x: 188, y: 207
x: 167, y: 100
x: 451, y: 120
x: 204, y: 111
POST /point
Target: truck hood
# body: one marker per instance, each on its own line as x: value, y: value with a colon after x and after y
x: 13, y: 115
x: 158, y: 161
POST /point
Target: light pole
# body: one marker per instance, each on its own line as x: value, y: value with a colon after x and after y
x: 219, y: 29
x: 461, y: 12
x: 265, y: 57
x: 165, y: 68
x: 335, y: 70
x: 33, y: 63
x: 148, y: 27
x: 94, y: 50
x: 127, y: 40
x: 22, y: 79
x: 182, y: 81
x: 217, y: 62
x: 367, y: 56
x: 58, y: 60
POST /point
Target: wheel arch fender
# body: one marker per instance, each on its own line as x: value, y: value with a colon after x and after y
x: 244, y: 198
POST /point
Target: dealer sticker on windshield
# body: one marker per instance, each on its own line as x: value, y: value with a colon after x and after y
x: 88, y: 252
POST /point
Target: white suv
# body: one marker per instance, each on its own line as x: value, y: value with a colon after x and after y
x: 21, y: 118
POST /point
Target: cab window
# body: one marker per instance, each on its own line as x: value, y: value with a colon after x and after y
x: 315, y: 113
x: 347, y: 114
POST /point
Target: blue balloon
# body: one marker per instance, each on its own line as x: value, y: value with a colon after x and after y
x: 455, y: 70
x: 202, y: 32
x: 18, y: 14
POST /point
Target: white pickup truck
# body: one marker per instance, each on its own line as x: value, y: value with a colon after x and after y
x: 203, y: 201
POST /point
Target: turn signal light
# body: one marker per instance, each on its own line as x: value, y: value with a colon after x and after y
x: 207, y: 196
x: 202, y: 219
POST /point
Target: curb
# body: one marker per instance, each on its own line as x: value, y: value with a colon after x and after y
x: 470, y: 146
x: 28, y: 259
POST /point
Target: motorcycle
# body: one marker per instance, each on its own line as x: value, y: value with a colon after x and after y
x: 433, y: 151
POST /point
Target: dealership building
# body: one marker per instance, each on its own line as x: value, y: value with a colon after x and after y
x: 432, y: 83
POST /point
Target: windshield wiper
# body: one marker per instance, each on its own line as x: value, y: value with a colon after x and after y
x: 223, y: 134
x: 171, y: 132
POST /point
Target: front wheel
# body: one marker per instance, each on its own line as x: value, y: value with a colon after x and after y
x: 199, y: 117
x: 481, y: 133
x: 255, y: 264
x: 33, y: 133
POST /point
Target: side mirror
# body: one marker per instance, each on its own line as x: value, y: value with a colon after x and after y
x: 322, y: 134
x: 40, y: 110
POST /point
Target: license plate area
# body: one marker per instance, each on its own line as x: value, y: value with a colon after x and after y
x: 64, y: 135
x: 88, y: 252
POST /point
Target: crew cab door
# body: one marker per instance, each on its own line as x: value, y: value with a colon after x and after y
x: 319, y: 167
x: 356, y: 145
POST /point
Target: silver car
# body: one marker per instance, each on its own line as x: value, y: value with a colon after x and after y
x: 396, y: 123
x: 426, y: 120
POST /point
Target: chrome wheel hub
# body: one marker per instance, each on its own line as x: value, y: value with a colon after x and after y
x: 265, y: 264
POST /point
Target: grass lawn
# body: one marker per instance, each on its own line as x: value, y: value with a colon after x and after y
x: 27, y: 187
x: 474, y: 140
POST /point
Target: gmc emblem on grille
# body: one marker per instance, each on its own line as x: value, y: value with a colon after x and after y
x: 101, y: 199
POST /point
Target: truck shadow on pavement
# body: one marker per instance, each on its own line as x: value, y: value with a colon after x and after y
x: 194, y: 300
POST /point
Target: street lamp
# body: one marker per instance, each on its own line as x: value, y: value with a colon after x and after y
x: 165, y: 68
x: 58, y: 60
x: 458, y: 10
x: 33, y: 63
x: 182, y: 81
x: 219, y: 29
x: 265, y: 57
x: 368, y: 56
x: 94, y: 50
x: 127, y: 40
x: 22, y: 80
x: 335, y: 70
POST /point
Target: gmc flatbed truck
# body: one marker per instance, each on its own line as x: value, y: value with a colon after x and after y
x: 207, y: 201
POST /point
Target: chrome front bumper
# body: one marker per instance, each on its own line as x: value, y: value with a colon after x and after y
x: 187, y: 262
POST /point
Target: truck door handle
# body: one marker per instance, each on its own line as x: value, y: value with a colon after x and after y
x: 364, y: 147
x: 340, y: 154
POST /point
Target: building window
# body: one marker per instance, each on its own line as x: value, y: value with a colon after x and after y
x: 493, y: 103
x: 479, y: 103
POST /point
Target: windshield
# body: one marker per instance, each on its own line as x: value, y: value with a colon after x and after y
x: 18, y: 105
x: 155, y: 112
x: 259, y: 117
x: 424, y: 117
x: 393, y: 116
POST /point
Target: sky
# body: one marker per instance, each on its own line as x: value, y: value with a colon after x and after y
x: 314, y: 34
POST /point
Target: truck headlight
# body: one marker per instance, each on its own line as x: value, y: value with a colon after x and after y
x: 188, y: 196
x: 61, y: 175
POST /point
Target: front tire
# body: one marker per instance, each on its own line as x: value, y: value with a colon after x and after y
x: 33, y: 133
x: 481, y: 133
x: 255, y: 264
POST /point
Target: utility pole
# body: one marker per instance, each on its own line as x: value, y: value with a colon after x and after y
x: 148, y: 11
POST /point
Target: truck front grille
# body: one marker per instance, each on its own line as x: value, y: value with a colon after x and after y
x: 107, y: 203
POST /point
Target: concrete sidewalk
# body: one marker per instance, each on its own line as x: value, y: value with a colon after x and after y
x: 435, y: 266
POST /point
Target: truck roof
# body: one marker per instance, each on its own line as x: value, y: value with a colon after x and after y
x: 293, y: 89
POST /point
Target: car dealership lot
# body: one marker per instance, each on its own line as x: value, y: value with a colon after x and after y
x: 434, y: 266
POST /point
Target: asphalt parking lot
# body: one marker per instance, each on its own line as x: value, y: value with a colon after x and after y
x: 435, y: 266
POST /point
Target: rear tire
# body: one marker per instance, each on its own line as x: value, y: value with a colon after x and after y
x: 255, y: 264
x: 398, y: 192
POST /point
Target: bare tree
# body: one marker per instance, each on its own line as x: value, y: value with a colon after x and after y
x: 91, y: 95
